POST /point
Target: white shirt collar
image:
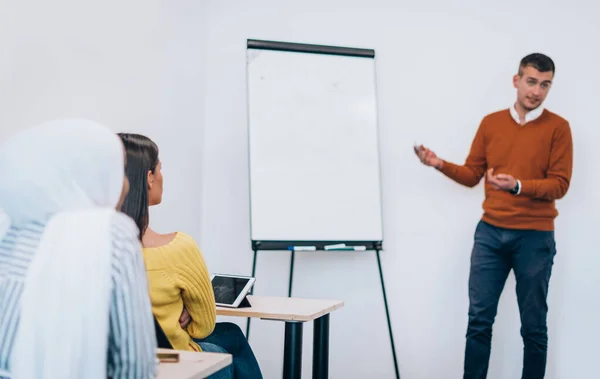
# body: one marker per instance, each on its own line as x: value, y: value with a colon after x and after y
x: 530, y: 116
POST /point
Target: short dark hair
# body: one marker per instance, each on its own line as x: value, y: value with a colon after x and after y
x: 540, y: 62
x: 142, y: 156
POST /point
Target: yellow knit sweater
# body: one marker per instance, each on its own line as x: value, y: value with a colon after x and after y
x: 178, y: 277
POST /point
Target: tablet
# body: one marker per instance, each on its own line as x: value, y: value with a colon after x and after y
x: 230, y: 290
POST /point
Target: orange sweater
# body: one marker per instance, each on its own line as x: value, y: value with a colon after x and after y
x: 539, y: 154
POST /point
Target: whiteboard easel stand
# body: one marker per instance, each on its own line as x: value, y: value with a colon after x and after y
x: 371, y: 246
x: 264, y: 80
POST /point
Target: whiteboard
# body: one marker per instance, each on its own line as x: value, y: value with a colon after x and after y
x: 313, y: 147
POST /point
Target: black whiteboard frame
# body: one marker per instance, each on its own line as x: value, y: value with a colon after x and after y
x: 257, y: 44
x: 308, y: 48
x: 319, y: 245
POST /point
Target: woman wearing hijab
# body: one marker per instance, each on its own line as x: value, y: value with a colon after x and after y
x: 73, y: 292
x: 180, y: 289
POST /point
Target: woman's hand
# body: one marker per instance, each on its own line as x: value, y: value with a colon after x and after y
x: 185, y: 318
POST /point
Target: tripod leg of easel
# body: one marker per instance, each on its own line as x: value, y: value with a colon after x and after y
x: 291, y: 273
x: 251, y: 291
x: 387, y: 313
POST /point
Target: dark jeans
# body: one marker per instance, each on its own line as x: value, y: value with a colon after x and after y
x: 224, y: 373
x: 496, y: 251
x: 230, y: 337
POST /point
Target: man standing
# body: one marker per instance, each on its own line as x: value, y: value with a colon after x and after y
x: 526, y: 154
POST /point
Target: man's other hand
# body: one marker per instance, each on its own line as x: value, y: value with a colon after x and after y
x: 428, y: 157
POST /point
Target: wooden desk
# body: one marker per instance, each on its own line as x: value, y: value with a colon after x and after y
x: 294, y: 312
x: 193, y: 365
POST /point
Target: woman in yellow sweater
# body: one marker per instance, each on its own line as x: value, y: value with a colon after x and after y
x: 181, y: 292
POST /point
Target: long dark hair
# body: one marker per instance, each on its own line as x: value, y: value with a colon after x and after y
x: 142, y: 156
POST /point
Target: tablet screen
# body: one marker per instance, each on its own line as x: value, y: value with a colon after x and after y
x: 227, y: 289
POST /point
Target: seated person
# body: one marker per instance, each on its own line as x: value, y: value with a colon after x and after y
x: 74, y: 299
x: 180, y: 286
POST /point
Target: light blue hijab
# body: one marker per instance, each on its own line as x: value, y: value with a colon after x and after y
x: 71, y: 173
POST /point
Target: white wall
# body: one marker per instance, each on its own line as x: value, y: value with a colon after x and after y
x: 134, y: 65
x: 441, y: 68
x: 175, y: 70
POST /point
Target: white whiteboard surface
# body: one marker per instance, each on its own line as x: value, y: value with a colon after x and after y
x: 313, y: 145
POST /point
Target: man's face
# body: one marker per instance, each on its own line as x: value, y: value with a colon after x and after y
x: 532, y: 87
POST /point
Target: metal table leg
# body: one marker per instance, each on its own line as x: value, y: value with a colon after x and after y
x: 292, y: 355
x: 321, y: 348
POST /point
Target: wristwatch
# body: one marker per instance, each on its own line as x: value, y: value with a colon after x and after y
x: 517, y: 189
